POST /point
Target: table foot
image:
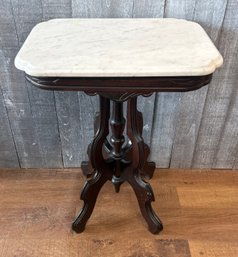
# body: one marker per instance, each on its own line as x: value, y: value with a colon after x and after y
x: 89, y: 196
x: 144, y: 196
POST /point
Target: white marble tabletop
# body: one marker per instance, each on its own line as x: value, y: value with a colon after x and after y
x: 118, y: 48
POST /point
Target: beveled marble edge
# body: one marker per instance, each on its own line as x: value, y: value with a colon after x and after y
x: 25, y: 66
x: 28, y: 69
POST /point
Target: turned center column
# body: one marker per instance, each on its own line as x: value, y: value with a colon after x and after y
x: 117, y: 139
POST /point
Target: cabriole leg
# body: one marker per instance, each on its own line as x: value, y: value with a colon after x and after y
x: 99, y: 165
x: 142, y: 189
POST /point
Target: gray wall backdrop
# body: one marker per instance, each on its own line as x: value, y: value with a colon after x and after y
x: 185, y: 130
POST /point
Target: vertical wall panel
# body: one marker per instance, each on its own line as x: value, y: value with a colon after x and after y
x: 163, y: 128
x: 56, y: 9
x: 8, y: 154
x: 224, y: 97
x: 148, y: 8
x: 219, y: 95
x: 69, y: 124
x: 15, y: 92
x: 102, y: 8
x: 181, y: 9
x: 190, y: 109
x: 41, y: 103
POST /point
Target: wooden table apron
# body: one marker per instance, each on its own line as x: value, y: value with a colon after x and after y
x: 114, y: 159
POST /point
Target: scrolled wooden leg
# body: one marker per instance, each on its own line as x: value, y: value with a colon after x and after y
x: 98, y: 165
x: 89, y: 196
x: 147, y: 171
x: 86, y: 166
x: 107, y: 148
x: 145, y: 196
x: 87, y: 169
x: 142, y: 189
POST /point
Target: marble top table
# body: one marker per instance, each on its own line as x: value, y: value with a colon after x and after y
x: 118, y: 47
x: 118, y: 59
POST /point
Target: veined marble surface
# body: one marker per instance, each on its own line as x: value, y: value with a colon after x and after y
x: 118, y: 47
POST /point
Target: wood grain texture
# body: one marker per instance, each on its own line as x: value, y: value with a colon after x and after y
x: 8, y: 154
x: 163, y: 129
x: 148, y: 9
x: 218, y: 100
x: 225, y: 150
x: 45, y: 129
x: 67, y: 106
x: 102, y: 8
x: 15, y: 93
x: 41, y: 104
x: 199, y: 210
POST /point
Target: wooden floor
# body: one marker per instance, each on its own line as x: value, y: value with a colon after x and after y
x: 199, y: 210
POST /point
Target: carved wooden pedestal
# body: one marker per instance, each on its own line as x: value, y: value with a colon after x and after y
x: 121, y: 158
x: 118, y: 154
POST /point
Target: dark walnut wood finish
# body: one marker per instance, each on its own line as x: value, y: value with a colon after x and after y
x: 113, y: 154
